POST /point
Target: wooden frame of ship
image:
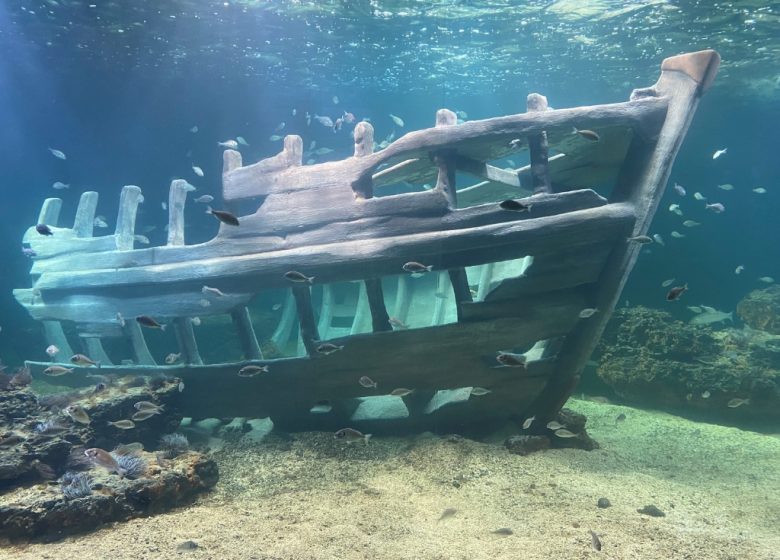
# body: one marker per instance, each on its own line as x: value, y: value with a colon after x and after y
x: 501, y: 280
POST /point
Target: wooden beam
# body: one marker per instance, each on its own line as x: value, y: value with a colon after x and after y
x: 246, y: 333
x: 185, y: 336
x: 537, y: 146
x: 362, y: 321
x: 50, y: 211
x: 94, y: 349
x: 177, y: 198
x: 489, y: 172
x: 460, y: 288
x: 284, y: 328
x: 445, y: 160
x: 84, y: 223
x: 364, y: 146
x: 308, y: 327
x: 129, y: 200
x: 140, y: 350
x: 376, y: 301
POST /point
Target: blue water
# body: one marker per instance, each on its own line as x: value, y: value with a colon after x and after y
x: 118, y: 88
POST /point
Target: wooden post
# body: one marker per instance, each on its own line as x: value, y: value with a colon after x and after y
x: 364, y: 146
x: 460, y: 287
x: 539, y: 151
x: 683, y: 80
x: 281, y: 335
x: 50, y: 211
x: 83, y: 225
x: 403, y: 299
x: 441, y: 296
x: 360, y: 324
x: 129, y: 200
x: 140, y: 350
x: 485, y: 281
x: 246, y: 333
x: 326, y: 312
x: 185, y: 336
x: 376, y: 301
x: 55, y: 335
x: 177, y: 197
x: 95, y: 350
x: 309, y: 334
x: 446, y: 160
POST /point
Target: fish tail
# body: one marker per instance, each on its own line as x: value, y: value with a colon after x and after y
x: 574, y: 130
x: 310, y: 280
x: 366, y: 437
x: 162, y: 327
x: 429, y: 267
x: 209, y: 209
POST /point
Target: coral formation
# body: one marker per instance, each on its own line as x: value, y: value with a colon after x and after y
x: 761, y: 309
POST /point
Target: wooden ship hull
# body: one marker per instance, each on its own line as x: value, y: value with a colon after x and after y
x: 501, y: 280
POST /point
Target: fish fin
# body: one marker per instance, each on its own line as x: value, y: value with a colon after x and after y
x: 429, y: 267
x: 209, y: 209
x: 366, y: 437
x: 310, y: 280
x: 574, y: 130
x: 162, y: 327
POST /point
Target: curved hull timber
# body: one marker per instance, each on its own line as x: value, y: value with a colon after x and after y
x: 501, y: 280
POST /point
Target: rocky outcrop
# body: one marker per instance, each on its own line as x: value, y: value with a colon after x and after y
x: 648, y: 358
x: 760, y: 309
x: 540, y: 437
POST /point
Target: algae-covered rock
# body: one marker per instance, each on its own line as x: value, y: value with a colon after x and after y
x: 649, y: 358
x: 761, y: 309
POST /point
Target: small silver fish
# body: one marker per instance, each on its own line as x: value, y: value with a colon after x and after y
x: 658, y: 239
x: 699, y: 196
x: 737, y: 402
x: 55, y: 371
x: 416, y: 268
x: 243, y: 142
x: 251, y: 370
x: 209, y: 290
x: 680, y: 189
x: 120, y: 319
x: 100, y: 222
x: 59, y: 154
x: 298, y: 277
x: 123, y: 424
x: 564, y: 433
x: 181, y: 386
x: 716, y: 207
x: 739, y: 269
x: 588, y: 312
x: 759, y: 190
x: 691, y: 223
x: 324, y: 121
x: 595, y: 542
x: 203, y: 302
x: 553, y: 425
x: 197, y: 171
x: 196, y: 321
x: 367, y: 382
x: 52, y: 350
x: 194, y: 129
x: 146, y: 405
x: 322, y: 407
x: 726, y: 187
x: 231, y: 144
x: 397, y: 323
x: 479, y: 391
x: 401, y: 392
x: 767, y: 280
x: 706, y: 395
x: 77, y: 414
x: 351, y: 435
x: 528, y: 422
x: 82, y: 360
x: 503, y: 531
x: 449, y: 512
x: 142, y: 239
x: 172, y: 358
x: 719, y: 153
x: 640, y: 239
x: 667, y: 283
x: 142, y: 415
x: 587, y: 134
x: 328, y: 348
x: 275, y: 138
x: 398, y: 121
x: 677, y: 235
x: 205, y: 199
x: 59, y: 185
x: 508, y: 359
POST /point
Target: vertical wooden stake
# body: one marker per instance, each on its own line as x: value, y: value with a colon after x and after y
x: 185, y: 336
x: 177, y: 197
x: 140, y: 350
x: 95, y: 350
x: 50, y: 211
x: 129, y: 200
x: 539, y: 151
x: 309, y: 334
x: 364, y: 146
x: 460, y: 287
x: 445, y: 160
x: 246, y: 334
x: 376, y: 301
x: 84, y: 224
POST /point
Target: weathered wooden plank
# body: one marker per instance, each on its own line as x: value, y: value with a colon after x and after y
x: 260, y: 173
x: 50, y: 211
x: 102, y: 307
x: 485, y: 281
x: 84, y: 223
x: 362, y: 321
x: 460, y: 288
x: 489, y: 172
x: 644, y: 177
x: 326, y: 312
x: 246, y: 333
x: 443, y: 295
x: 185, y: 336
x: 284, y: 328
x: 138, y: 343
x: 129, y: 200
x: 566, y: 301
x: 537, y: 146
x: 566, y: 269
x: 380, y: 320
x: 308, y: 327
x: 177, y: 198
x: 482, y: 140
x: 355, y: 259
x: 445, y: 160
x: 403, y: 298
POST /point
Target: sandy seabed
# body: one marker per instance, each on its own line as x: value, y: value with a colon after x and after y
x: 316, y: 498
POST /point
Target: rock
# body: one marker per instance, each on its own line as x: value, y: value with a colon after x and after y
x: 574, y: 422
x: 207, y: 425
x: 761, y: 309
x: 43, y: 512
x: 652, y: 511
x: 260, y: 428
x: 234, y: 429
x: 603, y: 503
x: 649, y: 358
x: 524, y: 445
